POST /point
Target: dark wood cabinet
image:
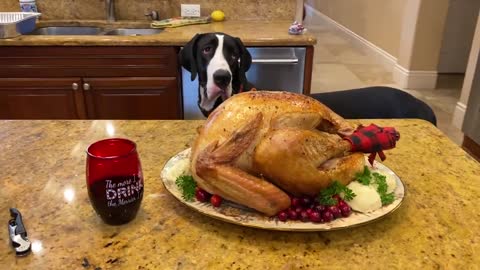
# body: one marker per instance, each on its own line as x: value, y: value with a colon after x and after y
x: 41, y: 98
x: 89, y: 82
x: 471, y: 147
x: 132, y: 98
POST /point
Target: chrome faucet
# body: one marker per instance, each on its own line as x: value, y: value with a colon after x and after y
x: 153, y: 15
x: 110, y: 10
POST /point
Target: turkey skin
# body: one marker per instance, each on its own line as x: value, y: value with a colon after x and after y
x: 257, y: 147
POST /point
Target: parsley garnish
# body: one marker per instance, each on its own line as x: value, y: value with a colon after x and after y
x: 387, y: 198
x: 326, y: 196
x: 187, y: 186
x: 381, y: 182
x: 367, y: 178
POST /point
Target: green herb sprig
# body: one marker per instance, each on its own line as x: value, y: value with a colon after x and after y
x: 187, y: 186
x: 367, y: 178
x: 387, y: 198
x: 326, y: 196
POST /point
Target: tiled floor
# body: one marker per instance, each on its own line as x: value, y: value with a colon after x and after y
x: 339, y: 64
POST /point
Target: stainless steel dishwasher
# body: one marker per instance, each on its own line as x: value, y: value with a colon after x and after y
x: 273, y: 68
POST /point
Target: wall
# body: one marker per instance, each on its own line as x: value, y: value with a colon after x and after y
x: 471, y: 125
x: 427, y: 43
x: 458, y: 35
x: 378, y: 21
x: 135, y: 10
x: 473, y: 72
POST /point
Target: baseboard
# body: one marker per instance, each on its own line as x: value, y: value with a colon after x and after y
x: 459, y: 115
x: 414, y: 79
x: 381, y: 55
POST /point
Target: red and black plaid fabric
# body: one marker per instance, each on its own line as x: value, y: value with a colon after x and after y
x: 373, y: 139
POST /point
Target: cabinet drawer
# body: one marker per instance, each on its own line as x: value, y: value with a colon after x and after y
x: 88, y: 61
x: 39, y: 98
x: 133, y: 98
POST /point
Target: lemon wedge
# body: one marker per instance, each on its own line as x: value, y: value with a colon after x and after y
x: 217, y: 15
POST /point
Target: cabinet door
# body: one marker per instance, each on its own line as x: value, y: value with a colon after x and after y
x: 41, y: 98
x: 133, y: 98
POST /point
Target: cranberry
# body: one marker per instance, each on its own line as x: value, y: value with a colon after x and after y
x: 309, y: 211
x: 320, y: 208
x: 216, y: 200
x: 298, y: 209
x: 292, y: 214
x: 335, y: 211
x: 296, y: 202
x: 304, y: 216
x: 346, y: 210
x: 201, y: 195
x: 282, y: 216
x: 341, y: 203
x: 315, y: 217
x: 327, y: 216
x: 306, y: 201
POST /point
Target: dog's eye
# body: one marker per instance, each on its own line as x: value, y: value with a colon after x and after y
x: 233, y: 59
x: 207, y: 50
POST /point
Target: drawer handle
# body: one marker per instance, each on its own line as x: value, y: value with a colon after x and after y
x: 75, y: 86
x: 86, y: 86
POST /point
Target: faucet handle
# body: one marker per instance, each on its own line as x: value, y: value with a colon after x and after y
x: 153, y: 15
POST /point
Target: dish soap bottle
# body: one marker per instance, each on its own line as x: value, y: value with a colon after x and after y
x: 28, y: 6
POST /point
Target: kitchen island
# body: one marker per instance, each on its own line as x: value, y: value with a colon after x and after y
x: 43, y: 175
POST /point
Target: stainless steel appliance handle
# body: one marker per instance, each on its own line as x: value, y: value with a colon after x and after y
x: 276, y: 61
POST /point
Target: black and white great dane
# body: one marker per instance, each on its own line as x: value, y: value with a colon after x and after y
x: 221, y: 62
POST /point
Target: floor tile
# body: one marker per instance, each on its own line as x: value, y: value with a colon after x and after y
x: 323, y: 55
x: 371, y: 74
x: 333, y: 77
x: 346, y: 54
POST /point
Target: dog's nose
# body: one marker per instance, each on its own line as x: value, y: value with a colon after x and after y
x: 222, y: 78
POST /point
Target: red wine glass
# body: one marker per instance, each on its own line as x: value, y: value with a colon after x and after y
x: 114, y: 180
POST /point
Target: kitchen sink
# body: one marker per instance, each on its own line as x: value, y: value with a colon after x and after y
x: 95, y: 31
x: 67, y: 30
x: 133, y: 32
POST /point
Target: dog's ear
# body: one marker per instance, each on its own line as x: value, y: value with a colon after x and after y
x: 245, y: 57
x: 187, y: 56
x: 245, y: 61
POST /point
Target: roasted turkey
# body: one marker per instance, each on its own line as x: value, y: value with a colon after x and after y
x: 257, y: 146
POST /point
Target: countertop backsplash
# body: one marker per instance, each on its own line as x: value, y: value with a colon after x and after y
x: 265, y: 10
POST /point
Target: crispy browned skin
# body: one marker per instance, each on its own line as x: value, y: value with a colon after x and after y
x: 276, y: 136
x: 296, y: 160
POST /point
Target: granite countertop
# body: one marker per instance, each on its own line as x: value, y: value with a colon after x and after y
x: 43, y: 165
x: 252, y: 33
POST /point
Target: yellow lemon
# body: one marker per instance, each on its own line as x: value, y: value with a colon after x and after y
x: 218, y: 15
